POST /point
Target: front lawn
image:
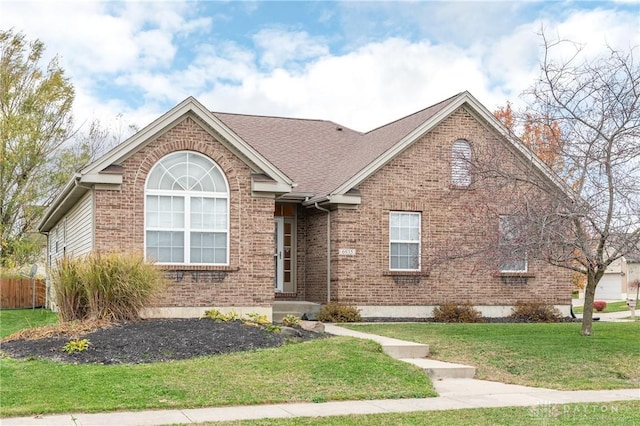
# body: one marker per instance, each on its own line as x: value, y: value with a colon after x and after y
x: 544, y: 355
x: 12, y: 320
x: 336, y: 368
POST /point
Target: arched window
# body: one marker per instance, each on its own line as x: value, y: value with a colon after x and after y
x: 461, y: 163
x: 187, y: 211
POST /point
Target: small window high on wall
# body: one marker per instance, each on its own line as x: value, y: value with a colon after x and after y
x: 187, y: 211
x: 461, y: 163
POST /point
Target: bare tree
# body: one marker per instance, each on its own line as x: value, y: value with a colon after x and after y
x: 596, y: 220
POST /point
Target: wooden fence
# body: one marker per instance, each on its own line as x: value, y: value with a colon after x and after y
x: 18, y: 293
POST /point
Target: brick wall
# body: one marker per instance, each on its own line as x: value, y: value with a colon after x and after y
x: 454, y: 221
x: 417, y: 180
x: 316, y: 256
x: 249, y: 277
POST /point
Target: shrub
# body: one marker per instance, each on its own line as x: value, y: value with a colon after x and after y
x: 112, y: 286
x: 215, y: 314
x: 76, y: 345
x: 219, y: 316
x: 336, y: 312
x: 535, y: 311
x: 257, y: 319
x: 450, y: 312
x: 272, y: 328
x: 599, y: 305
x: 291, y: 321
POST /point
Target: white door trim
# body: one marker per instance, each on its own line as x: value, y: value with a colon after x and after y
x: 278, y: 252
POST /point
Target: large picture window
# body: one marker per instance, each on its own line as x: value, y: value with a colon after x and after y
x: 404, y: 241
x: 187, y: 211
x: 461, y: 163
x: 513, y: 255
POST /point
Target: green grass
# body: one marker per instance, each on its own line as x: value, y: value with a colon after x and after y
x: 543, y: 355
x: 611, y: 307
x: 17, y: 319
x: 604, y: 413
x: 320, y: 370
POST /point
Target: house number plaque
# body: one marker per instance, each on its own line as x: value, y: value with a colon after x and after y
x: 347, y: 252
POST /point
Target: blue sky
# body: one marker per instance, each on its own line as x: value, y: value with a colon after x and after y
x: 361, y: 64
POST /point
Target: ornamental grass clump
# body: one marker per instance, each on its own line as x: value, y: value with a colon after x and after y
x: 70, y: 293
x: 111, y: 286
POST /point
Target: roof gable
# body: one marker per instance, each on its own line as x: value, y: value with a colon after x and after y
x: 327, y: 160
x: 189, y: 107
x: 106, y: 170
x: 386, y: 142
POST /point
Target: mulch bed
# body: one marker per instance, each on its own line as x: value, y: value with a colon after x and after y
x: 155, y: 340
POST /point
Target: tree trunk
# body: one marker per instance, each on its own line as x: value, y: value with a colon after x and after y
x: 589, y: 295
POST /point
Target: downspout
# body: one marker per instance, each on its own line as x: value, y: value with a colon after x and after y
x: 328, y: 249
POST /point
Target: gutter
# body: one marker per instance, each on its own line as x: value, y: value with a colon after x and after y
x: 71, y: 187
x: 328, y: 249
x: 314, y: 202
x: 55, y: 205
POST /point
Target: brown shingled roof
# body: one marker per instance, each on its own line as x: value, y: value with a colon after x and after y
x: 321, y: 155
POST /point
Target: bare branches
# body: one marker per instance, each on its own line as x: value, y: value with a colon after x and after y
x: 596, y: 105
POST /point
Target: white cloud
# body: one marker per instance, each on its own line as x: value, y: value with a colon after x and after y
x: 597, y: 29
x: 155, y: 49
x: 130, y: 58
x: 362, y: 89
x: 102, y: 43
x: 279, y: 47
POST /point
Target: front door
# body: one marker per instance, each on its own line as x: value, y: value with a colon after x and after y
x: 278, y: 255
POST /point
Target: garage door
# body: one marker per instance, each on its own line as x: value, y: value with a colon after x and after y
x: 609, y: 287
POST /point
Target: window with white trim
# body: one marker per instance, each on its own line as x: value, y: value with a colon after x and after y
x: 461, y: 163
x: 512, y: 249
x: 187, y: 211
x: 404, y: 241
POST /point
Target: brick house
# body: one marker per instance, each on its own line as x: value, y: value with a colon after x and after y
x: 246, y: 211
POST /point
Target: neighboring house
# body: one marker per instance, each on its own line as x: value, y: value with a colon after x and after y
x: 242, y: 211
x: 616, y: 281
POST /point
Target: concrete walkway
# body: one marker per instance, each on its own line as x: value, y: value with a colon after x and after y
x: 455, y: 394
x: 622, y: 316
x: 411, y: 352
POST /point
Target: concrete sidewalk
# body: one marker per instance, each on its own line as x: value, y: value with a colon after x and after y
x: 455, y: 394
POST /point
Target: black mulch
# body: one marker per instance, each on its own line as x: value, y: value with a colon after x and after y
x: 156, y: 340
